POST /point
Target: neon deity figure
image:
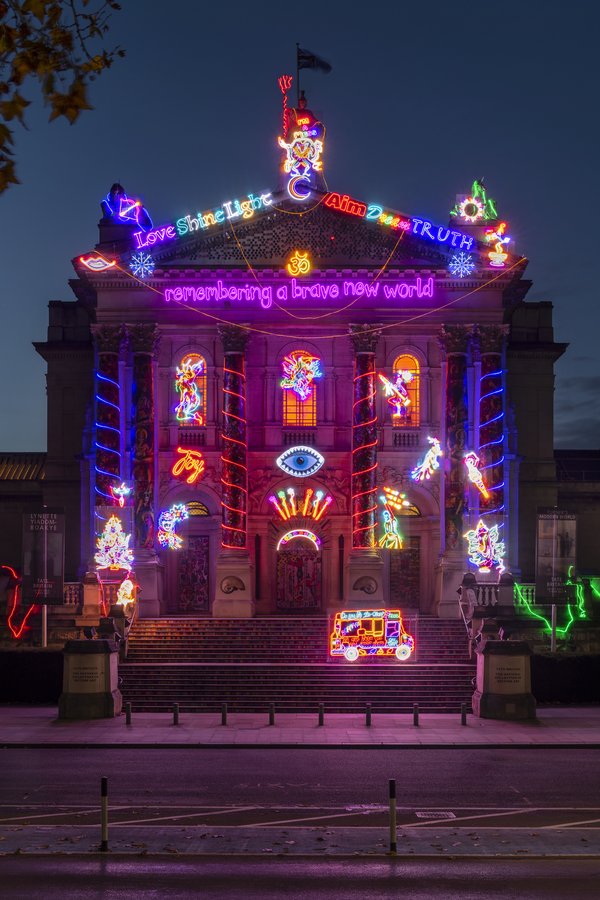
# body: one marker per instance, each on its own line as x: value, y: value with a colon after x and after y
x: 119, y: 206
x: 120, y: 492
x: 497, y: 237
x: 392, y: 499
x: 486, y: 550
x: 303, y: 145
x: 190, y: 461
x: 370, y: 632
x: 396, y: 392
x: 300, y: 368
x: 190, y: 408
x: 425, y: 469
x: 167, y: 522
x: 113, y: 551
x: 299, y: 264
x: 312, y: 505
x: 300, y: 461
x: 471, y: 461
x: 297, y: 533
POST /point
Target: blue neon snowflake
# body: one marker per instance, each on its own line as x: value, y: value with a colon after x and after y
x: 461, y: 265
x: 141, y: 264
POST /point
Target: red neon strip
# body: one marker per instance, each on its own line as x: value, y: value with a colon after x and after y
x: 235, y: 440
x: 233, y: 394
x: 233, y: 509
x: 231, y: 528
x: 365, y: 447
x: 364, y: 424
x: 235, y: 372
x: 233, y: 416
x: 364, y: 472
x: 231, y: 462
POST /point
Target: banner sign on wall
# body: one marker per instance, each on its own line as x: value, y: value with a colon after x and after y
x: 43, y: 557
x: 556, y: 553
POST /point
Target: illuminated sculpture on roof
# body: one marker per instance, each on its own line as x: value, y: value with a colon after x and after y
x: 477, y: 207
x: 303, y: 144
x: 118, y: 206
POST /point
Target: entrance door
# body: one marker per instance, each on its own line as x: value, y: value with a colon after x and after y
x: 192, y: 575
x: 405, y: 575
x: 299, y: 577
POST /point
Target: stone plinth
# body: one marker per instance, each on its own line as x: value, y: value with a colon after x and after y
x: 365, y: 580
x: 233, y: 589
x: 504, y: 681
x: 90, y: 681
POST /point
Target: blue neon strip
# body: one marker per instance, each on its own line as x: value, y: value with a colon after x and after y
x: 491, y: 443
x: 496, y: 487
x: 108, y: 474
x: 108, y: 449
x: 489, y: 421
x: 493, y: 374
x: 102, y: 494
x: 110, y: 428
x: 108, y: 403
x: 109, y: 380
x: 491, y: 512
x: 492, y: 464
x: 492, y: 394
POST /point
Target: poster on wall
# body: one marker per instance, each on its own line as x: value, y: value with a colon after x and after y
x: 556, y: 552
x: 44, y: 557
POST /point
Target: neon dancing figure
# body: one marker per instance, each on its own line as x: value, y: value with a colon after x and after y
x: 167, y: 522
x: 190, y: 408
x: 300, y: 368
x: 391, y: 539
x: 396, y: 392
x: 486, y: 550
x: 424, y: 470
x: 471, y: 461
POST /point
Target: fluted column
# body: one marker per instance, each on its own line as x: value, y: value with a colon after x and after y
x: 454, y: 342
x: 491, y: 419
x: 144, y: 344
x: 107, y: 422
x: 364, y: 437
x: 234, y: 479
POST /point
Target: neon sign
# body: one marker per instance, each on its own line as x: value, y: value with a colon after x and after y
x: 297, y: 533
x: 167, y: 523
x: 190, y: 408
x: 97, y: 263
x: 496, y: 236
x: 471, y: 461
x: 126, y: 593
x: 303, y: 145
x: 113, y: 551
x: 425, y: 469
x: 312, y: 505
x: 485, y: 549
x: 300, y: 461
x: 370, y: 632
x: 232, y: 209
x: 300, y: 369
x: 396, y: 392
x: 117, y: 205
x: 461, y: 265
x: 120, y: 492
x: 299, y: 264
x: 192, y: 462
x: 141, y: 264
x: 265, y: 294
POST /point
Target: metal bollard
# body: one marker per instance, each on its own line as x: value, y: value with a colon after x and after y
x: 415, y: 713
x: 368, y: 716
x: 321, y: 713
x: 463, y: 713
x: 223, y: 714
x: 272, y: 714
x: 176, y: 714
x: 393, y: 827
x: 128, y: 713
x: 104, y: 815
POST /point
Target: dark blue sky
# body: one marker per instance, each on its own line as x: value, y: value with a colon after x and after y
x: 421, y: 100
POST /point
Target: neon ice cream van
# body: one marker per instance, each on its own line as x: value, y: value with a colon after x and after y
x: 370, y: 632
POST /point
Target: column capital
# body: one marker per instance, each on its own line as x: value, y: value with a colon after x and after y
x: 143, y: 338
x: 489, y: 338
x: 233, y: 338
x: 454, y: 338
x: 364, y: 338
x: 108, y: 338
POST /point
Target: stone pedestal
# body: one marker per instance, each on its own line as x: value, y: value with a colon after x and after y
x: 365, y: 580
x: 448, y: 577
x: 149, y: 577
x: 504, y: 681
x: 234, y: 587
x: 90, y: 681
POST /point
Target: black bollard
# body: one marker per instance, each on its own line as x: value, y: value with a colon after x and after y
x: 176, y: 714
x: 393, y: 828
x: 415, y: 713
x: 463, y: 713
x: 128, y: 713
x: 368, y: 716
x: 223, y: 714
x: 321, y: 714
x: 272, y: 714
x: 104, y: 815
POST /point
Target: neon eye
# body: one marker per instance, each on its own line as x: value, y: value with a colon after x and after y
x: 300, y: 461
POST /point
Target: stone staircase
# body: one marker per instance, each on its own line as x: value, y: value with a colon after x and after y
x: 250, y: 663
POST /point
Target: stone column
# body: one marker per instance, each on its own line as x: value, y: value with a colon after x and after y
x: 492, y: 422
x: 454, y: 340
x: 234, y: 584
x: 143, y: 340
x: 365, y: 564
x: 107, y: 423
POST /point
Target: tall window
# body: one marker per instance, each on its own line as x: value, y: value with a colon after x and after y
x: 300, y: 369
x: 407, y: 377
x: 190, y: 384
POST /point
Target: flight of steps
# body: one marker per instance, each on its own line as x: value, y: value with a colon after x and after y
x: 250, y: 663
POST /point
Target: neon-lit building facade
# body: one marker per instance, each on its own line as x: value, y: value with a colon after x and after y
x: 261, y: 360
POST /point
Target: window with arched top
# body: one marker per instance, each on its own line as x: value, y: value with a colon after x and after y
x: 300, y: 369
x: 190, y: 385
x: 406, y: 411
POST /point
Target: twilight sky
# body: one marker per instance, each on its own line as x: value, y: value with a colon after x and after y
x: 422, y: 99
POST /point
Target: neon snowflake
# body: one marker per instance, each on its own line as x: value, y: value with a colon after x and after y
x: 141, y: 264
x: 113, y: 547
x: 167, y: 522
x: 485, y: 549
x: 461, y: 265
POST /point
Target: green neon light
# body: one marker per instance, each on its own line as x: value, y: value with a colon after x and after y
x: 579, y: 607
x: 595, y: 586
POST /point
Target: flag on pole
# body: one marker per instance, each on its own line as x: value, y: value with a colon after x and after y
x: 308, y: 60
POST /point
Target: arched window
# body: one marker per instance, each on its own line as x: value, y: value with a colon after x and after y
x: 300, y: 369
x: 407, y: 379
x: 190, y: 384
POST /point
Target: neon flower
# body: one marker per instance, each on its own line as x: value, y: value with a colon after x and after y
x: 126, y: 593
x: 97, y: 263
x: 167, y: 522
x: 471, y: 461
x: 191, y: 405
x: 485, y: 549
x: 120, y: 492
x: 300, y: 368
x: 113, y: 551
x: 299, y: 264
x: 191, y: 461
x: 496, y: 236
x: 297, y: 533
x: 396, y: 392
x: 471, y: 210
x: 425, y: 469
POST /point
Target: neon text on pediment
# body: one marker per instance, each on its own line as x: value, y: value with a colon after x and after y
x: 294, y: 290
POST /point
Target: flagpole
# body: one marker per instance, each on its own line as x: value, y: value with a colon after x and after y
x: 297, y: 76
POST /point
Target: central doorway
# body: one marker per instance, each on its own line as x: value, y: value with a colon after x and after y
x: 299, y: 577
